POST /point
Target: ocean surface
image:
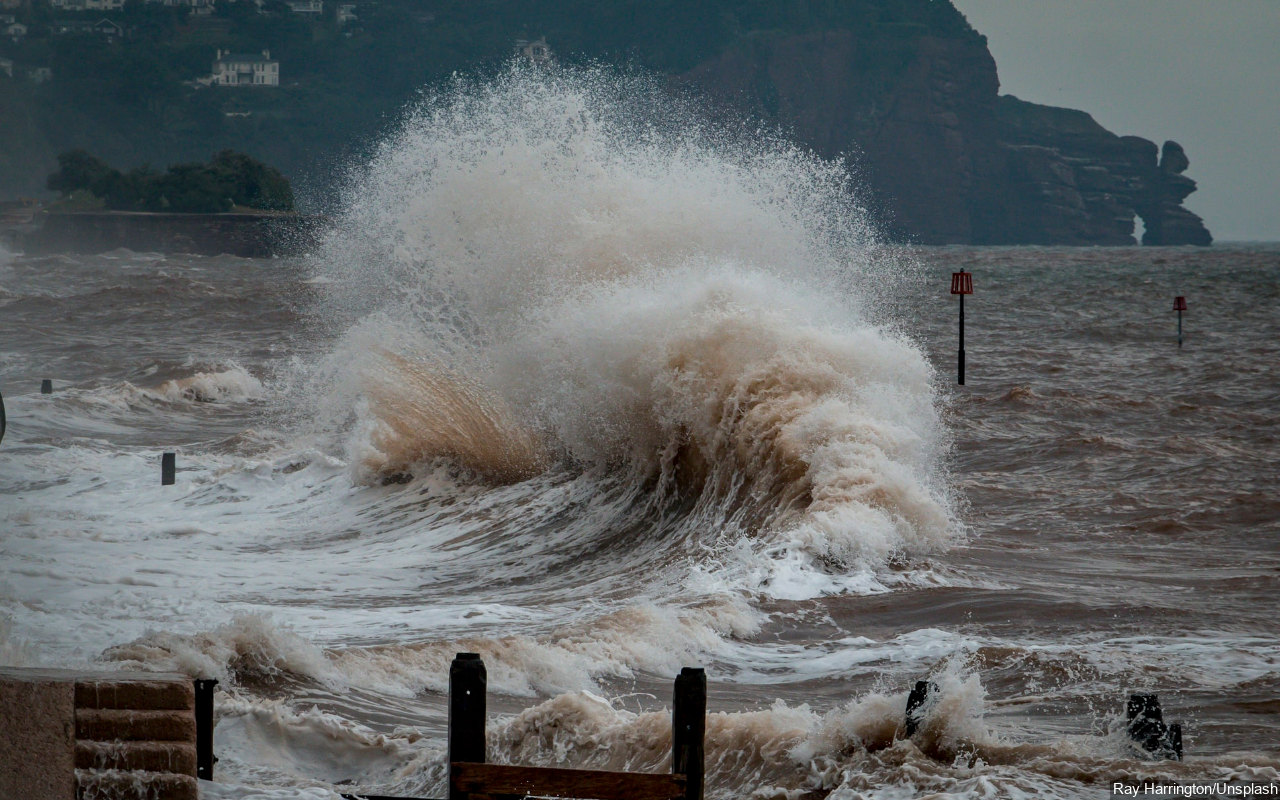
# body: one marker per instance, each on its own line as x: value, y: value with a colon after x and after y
x: 598, y: 390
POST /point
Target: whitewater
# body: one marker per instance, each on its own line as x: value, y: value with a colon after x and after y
x: 597, y: 385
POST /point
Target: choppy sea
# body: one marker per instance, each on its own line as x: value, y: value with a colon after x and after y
x: 599, y: 390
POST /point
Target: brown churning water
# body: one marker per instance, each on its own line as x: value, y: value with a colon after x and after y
x: 599, y: 391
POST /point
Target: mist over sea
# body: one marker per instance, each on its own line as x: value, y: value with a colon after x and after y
x: 598, y: 389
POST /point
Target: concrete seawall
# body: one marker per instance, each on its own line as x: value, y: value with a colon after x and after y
x: 246, y: 235
x: 72, y: 735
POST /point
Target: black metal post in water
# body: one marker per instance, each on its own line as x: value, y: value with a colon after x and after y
x: 46, y: 386
x: 468, y: 683
x: 168, y: 468
x: 1180, y: 305
x: 961, y: 361
x: 688, y: 729
x: 2, y: 419
x: 205, y: 758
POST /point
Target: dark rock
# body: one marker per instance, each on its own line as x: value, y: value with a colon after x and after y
x: 1168, y: 223
x: 913, y: 114
x: 1174, y: 159
x: 943, y: 157
x: 1068, y: 180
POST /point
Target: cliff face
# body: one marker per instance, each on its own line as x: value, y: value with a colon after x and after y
x: 1068, y: 180
x: 915, y: 115
x: 944, y: 158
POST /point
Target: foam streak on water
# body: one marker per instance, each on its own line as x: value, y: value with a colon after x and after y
x: 598, y: 388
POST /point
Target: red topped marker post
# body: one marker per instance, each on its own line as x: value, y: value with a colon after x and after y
x: 1179, y: 305
x: 961, y: 284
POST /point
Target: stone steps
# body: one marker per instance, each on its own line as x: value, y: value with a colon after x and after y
x: 125, y: 724
x: 135, y: 739
x: 179, y: 757
x: 140, y: 694
x: 97, y: 736
x: 135, y: 785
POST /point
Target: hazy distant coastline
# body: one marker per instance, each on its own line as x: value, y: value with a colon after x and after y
x: 238, y: 234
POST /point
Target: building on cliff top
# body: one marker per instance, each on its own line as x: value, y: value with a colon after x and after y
x: 87, y: 5
x: 245, y: 69
x: 537, y: 50
x: 312, y: 8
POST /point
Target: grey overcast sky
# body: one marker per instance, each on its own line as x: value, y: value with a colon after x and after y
x: 1205, y: 73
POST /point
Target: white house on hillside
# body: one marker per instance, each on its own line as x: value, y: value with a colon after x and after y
x: 87, y: 5
x: 245, y: 69
x: 536, y: 51
x: 313, y: 7
x: 198, y: 7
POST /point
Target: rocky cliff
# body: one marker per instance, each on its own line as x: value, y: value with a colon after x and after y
x: 906, y: 89
x: 944, y: 157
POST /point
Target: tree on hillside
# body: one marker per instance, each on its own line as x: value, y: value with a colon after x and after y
x: 77, y: 170
x: 192, y: 189
x: 251, y: 183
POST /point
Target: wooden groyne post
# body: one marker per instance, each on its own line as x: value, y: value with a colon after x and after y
x: 470, y: 778
x: 468, y: 682
x: 688, y: 728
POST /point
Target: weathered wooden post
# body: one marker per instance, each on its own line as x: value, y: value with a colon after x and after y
x: 915, y: 706
x: 961, y: 284
x: 1173, y: 741
x: 1179, y: 305
x: 468, y: 683
x: 1148, y: 729
x: 1146, y: 720
x: 689, y: 728
x: 46, y: 386
x: 205, y: 758
x: 168, y: 468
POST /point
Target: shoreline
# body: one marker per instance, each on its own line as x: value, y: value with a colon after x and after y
x: 247, y: 235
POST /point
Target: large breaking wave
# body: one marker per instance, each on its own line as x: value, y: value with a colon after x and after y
x: 571, y: 269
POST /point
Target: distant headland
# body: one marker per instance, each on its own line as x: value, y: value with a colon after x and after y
x: 907, y: 90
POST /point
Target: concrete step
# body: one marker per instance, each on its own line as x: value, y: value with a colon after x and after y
x: 136, y: 693
x: 108, y: 724
x: 94, y: 784
x: 177, y: 757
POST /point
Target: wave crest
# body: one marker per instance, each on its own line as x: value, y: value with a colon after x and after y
x: 577, y: 270
x: 421, y: 413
